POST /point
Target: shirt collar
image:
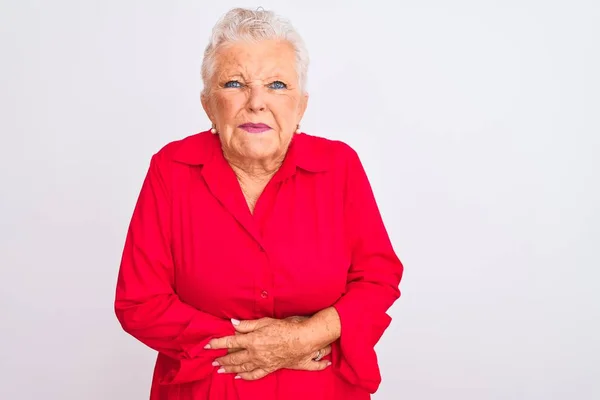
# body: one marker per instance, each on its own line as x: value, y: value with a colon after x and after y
x: 305, y: 151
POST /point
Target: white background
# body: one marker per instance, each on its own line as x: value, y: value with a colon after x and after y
x: 477, y: 121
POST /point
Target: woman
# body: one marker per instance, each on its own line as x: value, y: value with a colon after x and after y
x: 256, y: 262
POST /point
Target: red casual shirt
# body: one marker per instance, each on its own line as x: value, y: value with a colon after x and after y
x: 195, y: 257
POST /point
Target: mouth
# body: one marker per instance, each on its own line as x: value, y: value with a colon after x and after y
x: 255, y: 128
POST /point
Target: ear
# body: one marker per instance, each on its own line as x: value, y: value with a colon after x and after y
x: 302, y: 106
x: 206, y: 105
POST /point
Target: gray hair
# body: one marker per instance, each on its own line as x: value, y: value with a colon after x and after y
x: 241, y: 24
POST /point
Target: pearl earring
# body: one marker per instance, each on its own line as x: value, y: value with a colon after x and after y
x: 213, y: 130
x: 298, y: 128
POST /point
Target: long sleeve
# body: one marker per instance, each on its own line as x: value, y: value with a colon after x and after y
x: 372, y: 283
x: 146, y: 304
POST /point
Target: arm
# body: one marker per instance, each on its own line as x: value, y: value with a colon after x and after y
x: 146, y: 304
x: 360, y: 317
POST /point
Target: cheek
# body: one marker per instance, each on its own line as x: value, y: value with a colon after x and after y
x: 229, y: 106
x: 285, y: 110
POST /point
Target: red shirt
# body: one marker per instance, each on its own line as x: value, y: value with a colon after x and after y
x: 195, y: 257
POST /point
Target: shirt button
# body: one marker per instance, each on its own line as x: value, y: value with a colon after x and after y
x: 264, y: 294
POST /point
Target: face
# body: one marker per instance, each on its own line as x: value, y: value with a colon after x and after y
x: 254, y: 99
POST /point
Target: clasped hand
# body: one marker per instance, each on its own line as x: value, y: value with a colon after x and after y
x: 265, y: 345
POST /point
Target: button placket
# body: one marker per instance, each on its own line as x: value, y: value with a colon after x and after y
x: 263, y: 291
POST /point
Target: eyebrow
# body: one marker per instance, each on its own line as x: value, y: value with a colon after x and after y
x: 239, y: 72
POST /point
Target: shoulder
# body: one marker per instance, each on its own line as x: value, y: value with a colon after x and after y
x: 323, y: 145
x: 193, y: 150
x: 333, y: 154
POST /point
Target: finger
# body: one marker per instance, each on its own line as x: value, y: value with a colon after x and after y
x: 312, y: 365
x: 318, y: 365
x: 323, y: 352
x: 227, y: 342
x: 237, y: 369
x: 326, y: 351
x: 237, y: 358
x: 248, y: 326
x: 253, y: 375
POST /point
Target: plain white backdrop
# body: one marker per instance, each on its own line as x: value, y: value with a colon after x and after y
x: 477, y: 121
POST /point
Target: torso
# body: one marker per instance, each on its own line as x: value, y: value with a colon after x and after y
x: 248, y: 251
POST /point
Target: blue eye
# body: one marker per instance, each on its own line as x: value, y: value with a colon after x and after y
x: 232, y: 84
x: 278, y: 85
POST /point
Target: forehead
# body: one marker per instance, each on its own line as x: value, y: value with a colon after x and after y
x: 255, y: 59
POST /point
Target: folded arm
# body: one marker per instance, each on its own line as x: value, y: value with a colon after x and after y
x: 353, y: 325
x: 372, y: 286
x: 146, y: 304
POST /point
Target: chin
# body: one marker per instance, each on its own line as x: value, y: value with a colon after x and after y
x: 262, y: 152
x: 264, y: 145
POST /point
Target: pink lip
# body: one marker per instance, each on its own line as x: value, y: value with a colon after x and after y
x: 255, y: 128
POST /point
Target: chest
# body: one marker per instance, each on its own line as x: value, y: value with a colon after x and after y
x: 290, y: 257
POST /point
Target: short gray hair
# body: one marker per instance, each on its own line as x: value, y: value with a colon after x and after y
x: 241, y: 24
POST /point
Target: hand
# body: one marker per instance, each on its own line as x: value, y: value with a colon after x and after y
x: 268, y: 345
x: 309, y: 363
x: 249, y: 371
x: 229, y: 351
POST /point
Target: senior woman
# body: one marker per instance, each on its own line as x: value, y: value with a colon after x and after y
x: 256, y: 262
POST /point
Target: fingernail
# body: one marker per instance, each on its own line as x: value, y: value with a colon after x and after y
x: 207, y: 346
x: 215, y: 364
x: 220, y: 370
x: 235, y: 322
x: 237, y: 377
x: 328, y: 363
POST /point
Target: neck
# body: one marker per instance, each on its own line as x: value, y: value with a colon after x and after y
x: 253, y: 177
x: 254, y: 170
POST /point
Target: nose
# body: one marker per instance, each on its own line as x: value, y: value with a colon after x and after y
x: 256, y: 99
